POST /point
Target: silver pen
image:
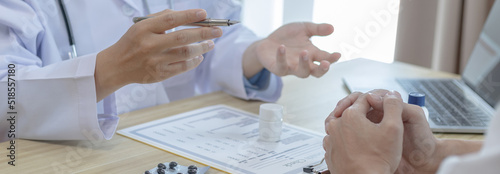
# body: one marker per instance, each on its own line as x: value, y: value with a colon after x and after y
x: 204, y: 23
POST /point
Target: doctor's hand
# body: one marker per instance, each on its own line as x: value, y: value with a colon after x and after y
x: 146, y: 54
x: 289, y: 51
x: 355, y: 144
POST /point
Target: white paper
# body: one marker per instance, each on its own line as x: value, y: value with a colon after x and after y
x: 227, y: 139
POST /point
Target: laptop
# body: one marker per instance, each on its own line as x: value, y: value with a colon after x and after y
x: 464, y: 105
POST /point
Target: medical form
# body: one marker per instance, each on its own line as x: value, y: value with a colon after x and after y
x: 227, y: 139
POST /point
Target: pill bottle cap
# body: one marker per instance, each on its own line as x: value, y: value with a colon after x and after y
x: 271, y: 112
x: 416, y: 98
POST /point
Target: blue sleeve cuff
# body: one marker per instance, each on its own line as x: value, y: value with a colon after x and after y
x: 263, y: 86
x: 259, y: 81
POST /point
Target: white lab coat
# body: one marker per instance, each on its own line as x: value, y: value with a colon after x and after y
x: 56, y: 97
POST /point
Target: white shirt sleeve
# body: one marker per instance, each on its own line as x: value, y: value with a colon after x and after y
x: 54, y: 99
x: 486, y: 161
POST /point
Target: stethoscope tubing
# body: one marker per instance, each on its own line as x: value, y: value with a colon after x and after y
x: 71, y: 38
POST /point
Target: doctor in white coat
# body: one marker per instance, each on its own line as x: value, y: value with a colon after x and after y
x: 122, y: 66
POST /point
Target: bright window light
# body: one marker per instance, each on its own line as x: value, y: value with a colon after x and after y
x: 363, y: 28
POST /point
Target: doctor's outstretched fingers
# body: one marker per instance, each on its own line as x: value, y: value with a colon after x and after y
x: 289, y: 51
x: 146, y: 54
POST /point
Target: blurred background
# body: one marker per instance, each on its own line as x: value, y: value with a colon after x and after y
x: 363, y: 28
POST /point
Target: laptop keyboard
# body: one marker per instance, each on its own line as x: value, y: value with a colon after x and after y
x: 447, y: 103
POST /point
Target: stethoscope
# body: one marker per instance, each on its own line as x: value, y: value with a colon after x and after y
x: 69, y: 31
x: 72, y: 53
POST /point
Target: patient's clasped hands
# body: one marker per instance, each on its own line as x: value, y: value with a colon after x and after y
x: 376, y: 132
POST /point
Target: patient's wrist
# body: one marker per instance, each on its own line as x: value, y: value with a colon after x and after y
x: 459, y: 147
x: 368, y: 166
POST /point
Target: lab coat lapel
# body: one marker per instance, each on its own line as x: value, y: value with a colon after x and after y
x: 134, y: 4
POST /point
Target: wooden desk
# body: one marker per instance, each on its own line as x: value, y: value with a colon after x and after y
x: 308, y: 102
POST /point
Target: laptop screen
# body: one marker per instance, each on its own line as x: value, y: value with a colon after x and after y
x: 482, y: 72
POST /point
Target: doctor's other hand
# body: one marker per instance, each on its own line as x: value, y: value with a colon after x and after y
x: 289, y: 51
x: 146, y: 54
x: 355, y: 144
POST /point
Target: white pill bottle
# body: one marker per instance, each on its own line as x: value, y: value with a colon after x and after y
x: 270, y: 122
